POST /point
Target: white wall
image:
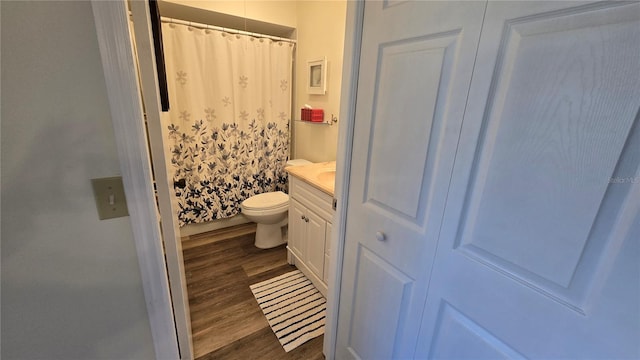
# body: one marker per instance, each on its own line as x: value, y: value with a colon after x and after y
x: 71, y: 286
x: 321, y: 27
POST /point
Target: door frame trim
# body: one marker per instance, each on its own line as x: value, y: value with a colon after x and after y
x: 156, y: 135
x: 349, y: 88
x: 125, y: 103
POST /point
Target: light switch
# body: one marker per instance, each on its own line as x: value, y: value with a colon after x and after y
x: 110, y: 199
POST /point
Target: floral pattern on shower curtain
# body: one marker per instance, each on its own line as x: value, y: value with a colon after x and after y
x: 227, y: 131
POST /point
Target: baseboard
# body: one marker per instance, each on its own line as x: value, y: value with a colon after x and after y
x: 194, y: 229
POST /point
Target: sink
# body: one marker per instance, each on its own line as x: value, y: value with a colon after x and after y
x: 327, y: 176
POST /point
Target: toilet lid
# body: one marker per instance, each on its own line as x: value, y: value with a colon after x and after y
x: 266, y: 201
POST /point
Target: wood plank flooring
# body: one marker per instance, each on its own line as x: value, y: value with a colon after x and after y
x: 226, y: 321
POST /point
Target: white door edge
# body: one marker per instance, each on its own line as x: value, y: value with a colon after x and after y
x: 350, y: 67
x: 112, y: 29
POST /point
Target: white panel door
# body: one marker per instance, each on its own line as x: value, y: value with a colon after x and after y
x: 415, y: 70
x: 539, y: 252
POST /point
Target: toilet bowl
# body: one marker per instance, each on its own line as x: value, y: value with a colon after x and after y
x: 269, y: 212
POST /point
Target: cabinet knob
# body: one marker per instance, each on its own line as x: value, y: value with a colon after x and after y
x: 381, y: 236
x: 302, y: 217
x: 306, y: 219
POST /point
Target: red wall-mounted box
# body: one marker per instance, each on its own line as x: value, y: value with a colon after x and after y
x: 315, y: 115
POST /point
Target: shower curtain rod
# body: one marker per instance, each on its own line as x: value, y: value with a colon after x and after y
x: 227, y: 30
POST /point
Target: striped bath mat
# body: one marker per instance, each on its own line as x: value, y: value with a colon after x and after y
x: 294, y: 308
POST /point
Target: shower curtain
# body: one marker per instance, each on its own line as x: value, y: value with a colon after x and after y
x: 228, y: 127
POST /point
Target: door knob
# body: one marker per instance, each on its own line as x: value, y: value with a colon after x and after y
x: 381, y: 236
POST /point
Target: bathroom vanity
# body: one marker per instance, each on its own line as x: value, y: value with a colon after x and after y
x: 311, y: 212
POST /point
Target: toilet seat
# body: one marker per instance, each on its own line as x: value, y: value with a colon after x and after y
x: 267, y: 201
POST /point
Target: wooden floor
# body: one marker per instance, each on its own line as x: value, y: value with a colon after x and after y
x: 226, y: 321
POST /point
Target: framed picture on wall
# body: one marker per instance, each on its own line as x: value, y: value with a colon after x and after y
x: 317, y: 76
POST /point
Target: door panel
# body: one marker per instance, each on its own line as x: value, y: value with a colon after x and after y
x: 544, y: 192
x: 315, y: 243
x: 379, y: 281
x: 560, y: 133
x: 414, y: 64
x: 327, y: 253
x: 327, y: 244
x: 411, y: 95
x: 297, y: 228
x: 455, y: 328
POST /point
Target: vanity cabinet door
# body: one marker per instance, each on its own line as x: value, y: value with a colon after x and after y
x: 327, y: 252
x: 297, y: 229
x: 315, y: 243
x: 309, y: 230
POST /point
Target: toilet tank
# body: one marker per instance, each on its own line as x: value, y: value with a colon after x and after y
x: 297, y: 162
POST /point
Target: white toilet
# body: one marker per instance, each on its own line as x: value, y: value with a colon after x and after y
x: 269, y: 211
